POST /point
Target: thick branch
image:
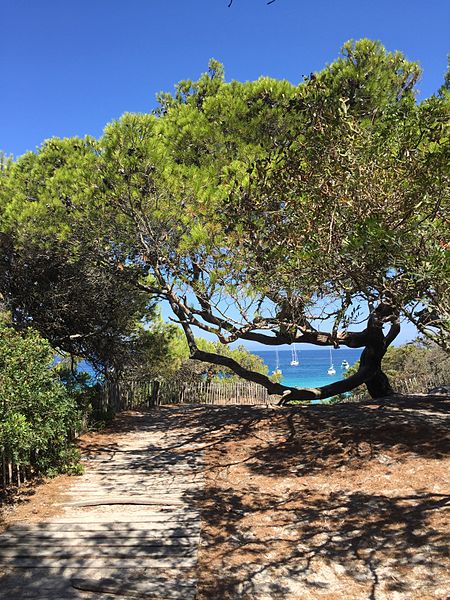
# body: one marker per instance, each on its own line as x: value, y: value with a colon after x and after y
x: 365, y: 373
x: 370, y: 364
x: 318, y: 338
x: 230, y: 363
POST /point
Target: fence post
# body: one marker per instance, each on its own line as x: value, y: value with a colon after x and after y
x: 155, y: 393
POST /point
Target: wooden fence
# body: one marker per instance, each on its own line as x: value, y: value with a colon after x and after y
x: 411, y: 385
x: 417, y: 385
x: 121, y: 395
x: 132, y: 394
x: 12, y: 473
x: 213, y: 392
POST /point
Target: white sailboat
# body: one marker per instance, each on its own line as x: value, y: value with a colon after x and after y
x: 294, y: 358
x: 277, y: 370
x: 331, y: 370
x: 345, y: 364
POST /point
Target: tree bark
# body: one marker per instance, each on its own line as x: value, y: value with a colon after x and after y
x: 379, y: 386
x: 369, y: 372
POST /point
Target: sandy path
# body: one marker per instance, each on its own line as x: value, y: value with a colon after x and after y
x: 128, y: 527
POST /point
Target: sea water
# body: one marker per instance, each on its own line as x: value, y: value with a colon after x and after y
x: 310, y: 372
x: 313, y: 365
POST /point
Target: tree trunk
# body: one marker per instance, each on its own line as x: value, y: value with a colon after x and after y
x: 369, y: 372
x: 379, y: 386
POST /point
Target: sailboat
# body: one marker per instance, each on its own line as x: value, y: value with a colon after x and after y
x: 294, y: 357
x: 331, y: 370
x: 345, y: 364
x: 277, y: 371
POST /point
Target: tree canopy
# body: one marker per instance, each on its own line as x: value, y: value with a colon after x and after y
x: 260, y: 211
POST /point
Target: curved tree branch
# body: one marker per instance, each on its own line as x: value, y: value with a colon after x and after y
x: 369, y: 372
x: 307, y: 336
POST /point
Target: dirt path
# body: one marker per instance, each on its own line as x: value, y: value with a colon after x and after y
x: 344, y: 502
x: 299, y: 504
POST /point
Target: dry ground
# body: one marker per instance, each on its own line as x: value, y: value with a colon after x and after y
x: 346, y: 501
x: 328, y: 502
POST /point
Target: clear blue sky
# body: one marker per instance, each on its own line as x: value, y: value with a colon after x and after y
x: 70, y: 66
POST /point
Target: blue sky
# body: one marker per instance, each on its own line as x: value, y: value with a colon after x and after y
x: 70, y: 67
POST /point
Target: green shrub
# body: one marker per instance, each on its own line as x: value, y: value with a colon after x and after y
x: 37, y: 414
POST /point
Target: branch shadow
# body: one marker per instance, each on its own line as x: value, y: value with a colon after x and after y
x: 116, y: 561
x: 304, y: 543
x: 254, y: 543
x: 318, y: 541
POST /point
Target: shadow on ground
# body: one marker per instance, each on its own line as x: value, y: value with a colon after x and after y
x: 325, y: 502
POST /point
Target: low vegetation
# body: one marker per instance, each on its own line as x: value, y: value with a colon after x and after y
x: 38, y: 415
x: 416, y: 365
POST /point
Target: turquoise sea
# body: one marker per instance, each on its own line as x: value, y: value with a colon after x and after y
x: 313, y: 365
x: 312, y: 368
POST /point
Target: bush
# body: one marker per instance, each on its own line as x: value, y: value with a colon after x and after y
x: 421, y: 359
x: 37, y: 414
